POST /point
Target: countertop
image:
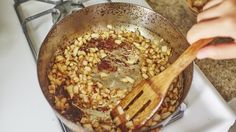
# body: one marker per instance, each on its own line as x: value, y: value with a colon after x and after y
x: 221, y: 73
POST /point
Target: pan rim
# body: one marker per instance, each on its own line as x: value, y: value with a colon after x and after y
x: 50, y: 33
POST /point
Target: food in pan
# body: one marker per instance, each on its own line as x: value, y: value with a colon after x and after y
x: 90, y: 74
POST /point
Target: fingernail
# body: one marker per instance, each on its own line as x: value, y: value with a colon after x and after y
x: 201, y: 55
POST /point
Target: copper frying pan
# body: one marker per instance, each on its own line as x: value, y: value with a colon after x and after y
x: 95, y: 18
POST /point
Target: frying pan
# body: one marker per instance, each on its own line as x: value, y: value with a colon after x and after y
x: 96, y: 18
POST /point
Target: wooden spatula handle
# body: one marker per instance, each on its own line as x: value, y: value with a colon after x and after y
x: 168, y: 75
x: 189, y: 55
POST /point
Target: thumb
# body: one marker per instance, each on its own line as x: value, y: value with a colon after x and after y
x: 218, y: 52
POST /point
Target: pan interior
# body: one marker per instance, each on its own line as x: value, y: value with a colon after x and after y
x: 95, y: 19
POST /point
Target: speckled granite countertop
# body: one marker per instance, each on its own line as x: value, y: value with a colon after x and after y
x: 222, y: 74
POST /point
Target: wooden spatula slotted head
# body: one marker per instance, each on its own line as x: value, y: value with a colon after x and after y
x: 146, y: 97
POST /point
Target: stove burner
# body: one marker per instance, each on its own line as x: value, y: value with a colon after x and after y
x: 61, y: 9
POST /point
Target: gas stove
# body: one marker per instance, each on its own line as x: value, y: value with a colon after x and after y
x: 38, y: 16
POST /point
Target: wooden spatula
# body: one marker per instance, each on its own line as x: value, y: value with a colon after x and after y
x: 146, y: 97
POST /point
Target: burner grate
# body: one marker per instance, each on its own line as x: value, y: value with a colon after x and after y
x: 60, y: 9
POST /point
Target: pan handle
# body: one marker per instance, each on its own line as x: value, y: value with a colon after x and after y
x: 82, y: 3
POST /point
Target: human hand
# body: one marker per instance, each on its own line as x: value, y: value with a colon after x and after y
x: 218, y: 19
